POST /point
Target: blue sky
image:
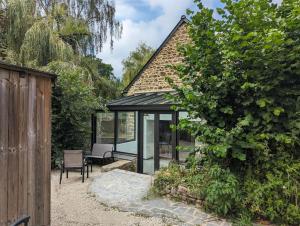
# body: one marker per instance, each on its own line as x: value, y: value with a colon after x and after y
x: 148, y: 21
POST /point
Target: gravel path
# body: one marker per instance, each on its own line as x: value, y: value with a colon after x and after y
x: 72, y: 204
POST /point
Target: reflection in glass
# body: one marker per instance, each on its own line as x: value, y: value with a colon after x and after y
x: 127, y: 136
x: 105, y: 128
x: 148, y: 144
x: 126, y: 126
x: 165, y: 139
x: 186, y: 141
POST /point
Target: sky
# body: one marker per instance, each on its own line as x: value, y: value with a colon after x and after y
x: 148, y: 21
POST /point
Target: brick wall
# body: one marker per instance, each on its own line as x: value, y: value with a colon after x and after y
x: 153, y: 77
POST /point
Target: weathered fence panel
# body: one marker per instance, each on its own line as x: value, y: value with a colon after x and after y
x: 25, y: 145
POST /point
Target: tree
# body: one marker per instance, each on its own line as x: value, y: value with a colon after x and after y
x: 60, y: 36
x: 39, y: 32
x: 135, y: 61
x: 72, y: 105
x: 106, y: 85
x: 241, y: 76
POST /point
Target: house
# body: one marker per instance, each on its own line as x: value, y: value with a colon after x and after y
x: 138, y: 124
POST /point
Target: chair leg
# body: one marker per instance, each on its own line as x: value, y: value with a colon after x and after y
x: 82, y: 173
x: 61, y: 172
x: 91, y: 166
x: 67, y: 173
x: 87, y: 168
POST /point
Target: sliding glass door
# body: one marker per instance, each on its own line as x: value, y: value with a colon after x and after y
x: 158, y: 139
x: 148, y: 143
x: 165, y: 150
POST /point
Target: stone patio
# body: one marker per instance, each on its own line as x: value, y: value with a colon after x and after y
x: 127, y: 191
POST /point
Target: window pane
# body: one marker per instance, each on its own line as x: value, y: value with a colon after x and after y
x: 186, y: 141
x: 165, y: 139
x: 105, y: 128
x: 148, y: 144
x: 127, y: 127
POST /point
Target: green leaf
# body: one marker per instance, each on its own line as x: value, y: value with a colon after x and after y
x: 261, y: 102
x: 277, y: 111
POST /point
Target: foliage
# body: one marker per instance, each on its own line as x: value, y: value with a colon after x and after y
x: 63, y: 37
x: 218, y: 188
x: 276, y: 196
x: 73, y: 102
x: 221, y: 193
x: 55, y: 28
x: 241, y: 77
x: 135, y: 61
x: 107, y: 87
x: 168, y: 177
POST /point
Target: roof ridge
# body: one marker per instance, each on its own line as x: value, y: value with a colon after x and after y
x: 182, y: 20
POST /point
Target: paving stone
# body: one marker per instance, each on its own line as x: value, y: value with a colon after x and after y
x: 126, y: 191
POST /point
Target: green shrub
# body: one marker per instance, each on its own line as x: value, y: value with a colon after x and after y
x: 217, y: 187
x: 168, y: 177
x: 72, y: 105
x: 241, y: 77
x: 222, y: 191
x: 275, y: 196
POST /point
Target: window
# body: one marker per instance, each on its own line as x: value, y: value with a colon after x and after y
x: 105, y: 128
x: 186, y: 142
x: 126, y: 127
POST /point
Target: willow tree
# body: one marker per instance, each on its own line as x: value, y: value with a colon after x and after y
x: 39, y: 32
x: 58, y: 36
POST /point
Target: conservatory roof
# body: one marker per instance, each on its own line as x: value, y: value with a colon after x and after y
x: 142, y: 101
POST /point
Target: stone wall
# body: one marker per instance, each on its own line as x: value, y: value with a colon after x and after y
x: 183, y: 194
x: 153, y: 77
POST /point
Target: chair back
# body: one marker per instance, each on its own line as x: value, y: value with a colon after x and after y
x: 100, y: 149
x: 73, y: 158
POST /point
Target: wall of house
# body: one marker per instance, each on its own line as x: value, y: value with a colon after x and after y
x: 153, y: 77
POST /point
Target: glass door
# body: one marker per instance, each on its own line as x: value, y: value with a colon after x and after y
x: 165, y: 135
x: 148, y: 143
x: 157, y: 141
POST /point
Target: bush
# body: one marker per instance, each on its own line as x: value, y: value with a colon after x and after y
x: 275, y: 196
x: 168, y: 177
x: 222, y: 191
x: 72, y: 104
x: 241, y: 77
x: 217, y: 187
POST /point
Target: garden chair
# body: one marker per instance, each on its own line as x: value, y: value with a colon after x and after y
x: 22, y: 221
x: 73, y: 159
x: 100, y: 151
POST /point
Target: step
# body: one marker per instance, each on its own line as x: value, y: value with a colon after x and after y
x: 120, y: 164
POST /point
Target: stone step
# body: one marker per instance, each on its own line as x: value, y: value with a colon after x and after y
x: 120, y: 164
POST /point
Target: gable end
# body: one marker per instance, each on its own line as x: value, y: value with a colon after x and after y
x: 151, y: 78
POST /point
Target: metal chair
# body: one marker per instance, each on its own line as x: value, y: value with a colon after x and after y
x: 73, y: 159
x: 24, y: 220
x: 100, y: 151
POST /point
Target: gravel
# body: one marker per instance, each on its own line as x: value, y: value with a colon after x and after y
x: 72, y: 204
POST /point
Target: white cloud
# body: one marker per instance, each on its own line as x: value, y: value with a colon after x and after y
x: 152, y: 32
x: 124, y: 11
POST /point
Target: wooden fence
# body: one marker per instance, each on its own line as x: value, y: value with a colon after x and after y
x: 25, y: 145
